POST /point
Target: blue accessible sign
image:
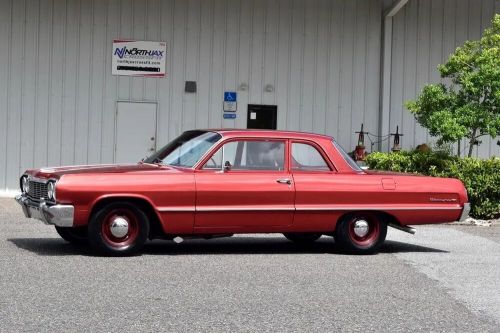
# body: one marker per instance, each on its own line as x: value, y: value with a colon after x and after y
x: 230, y: 101
x: 230, y: 96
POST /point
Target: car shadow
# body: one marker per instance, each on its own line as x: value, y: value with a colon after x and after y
x: 219, y: 246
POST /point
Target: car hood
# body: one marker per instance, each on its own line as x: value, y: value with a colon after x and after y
x: 57, y: 172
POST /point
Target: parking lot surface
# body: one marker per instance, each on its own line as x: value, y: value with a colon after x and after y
x: 444, y: 278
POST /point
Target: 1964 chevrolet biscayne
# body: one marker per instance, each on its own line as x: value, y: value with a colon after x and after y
x: 211, y: 183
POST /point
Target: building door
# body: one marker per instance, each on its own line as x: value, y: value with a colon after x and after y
x: 135, y: 131
x: 262, y: 116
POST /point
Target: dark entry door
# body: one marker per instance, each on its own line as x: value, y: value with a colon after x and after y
x: 262, y: 116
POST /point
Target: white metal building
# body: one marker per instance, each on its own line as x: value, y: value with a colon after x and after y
x: 323, y: 65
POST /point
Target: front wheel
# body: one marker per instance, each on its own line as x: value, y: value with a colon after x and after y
x: 119, y: 228
x: 75, y: 235
x: 361, y: 233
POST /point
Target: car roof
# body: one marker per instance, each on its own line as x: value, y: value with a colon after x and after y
x: 230, y: 132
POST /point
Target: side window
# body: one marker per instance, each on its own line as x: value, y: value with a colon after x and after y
x: 307, y: 158
x: 249, y: 155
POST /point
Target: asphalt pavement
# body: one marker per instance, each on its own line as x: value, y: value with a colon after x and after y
x: 443, y: 279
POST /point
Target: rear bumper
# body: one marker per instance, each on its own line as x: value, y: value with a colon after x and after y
x: 58, y: 215
x: 465, y: 211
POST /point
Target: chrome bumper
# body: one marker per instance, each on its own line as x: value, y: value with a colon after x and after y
x: 58, y: 215
x: 465, y: 211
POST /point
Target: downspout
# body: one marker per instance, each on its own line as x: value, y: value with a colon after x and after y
x: 385, y: 96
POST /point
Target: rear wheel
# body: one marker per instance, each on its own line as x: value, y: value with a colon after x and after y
x: 119, y: 228
x: 361, y: 233
x: 302, y: 237
x: 75, y: 235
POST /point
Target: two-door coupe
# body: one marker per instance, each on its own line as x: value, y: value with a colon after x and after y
x: 212, y: 183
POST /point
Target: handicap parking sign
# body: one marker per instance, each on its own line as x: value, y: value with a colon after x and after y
x: 230, y: 96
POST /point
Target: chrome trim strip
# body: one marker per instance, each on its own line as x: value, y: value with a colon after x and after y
x: 360, y: 207
x: 176, y: 209
x: 322, y: 208
x: 231, y: 209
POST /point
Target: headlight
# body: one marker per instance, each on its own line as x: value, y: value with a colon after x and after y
x: 51, y: 190
x: 25, y: 184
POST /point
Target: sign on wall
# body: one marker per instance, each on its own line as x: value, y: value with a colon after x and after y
x: 230, y: 101
x: 139, y: 58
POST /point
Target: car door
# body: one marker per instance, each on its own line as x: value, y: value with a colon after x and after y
x: 245, y: 186
x: 314, y: 179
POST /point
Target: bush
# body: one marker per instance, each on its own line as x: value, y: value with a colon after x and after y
x: 480, y: 177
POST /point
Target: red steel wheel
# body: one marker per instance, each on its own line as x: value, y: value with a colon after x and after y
x: 361, y: 232
x: 119, y: 228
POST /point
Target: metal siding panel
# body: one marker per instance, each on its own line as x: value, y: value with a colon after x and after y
x: 29, y: 84
x: 410, y: 72
x: 283, y: 61
x: 70, y: 76
x: 346, y: 77
x: 372, y: 85
x: 297, y: 52
x: 309, y: 66
x: 97, y: 84
x: 43, y: 83
x: 334, y: 69
x: 422, y: 59
x: 15, y: 101
x: 126, y: 32
x: 164, y: 85
x: 177, y: 57
x: 359, y: 70
x: 397, y: 74
x: 139, y: 33
x: 83, y: 85
x: 110, y: 84
x: 257, y: 52
x: 56, y: 82
x: 270, y: 51
x: 204, y: 61
x: 244, y: 47
x: 191, y: 63
x: 5, y: 34
x: 322, y: 65
x: 231, y: 56
x: 218, y: 56
x: 152, y: 34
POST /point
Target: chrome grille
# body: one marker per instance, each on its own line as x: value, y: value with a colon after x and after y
x: 37, y: 190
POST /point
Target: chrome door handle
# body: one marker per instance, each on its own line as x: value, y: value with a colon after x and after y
x: 284, y: 181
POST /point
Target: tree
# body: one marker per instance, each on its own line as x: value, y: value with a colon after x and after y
x: 469, y: 106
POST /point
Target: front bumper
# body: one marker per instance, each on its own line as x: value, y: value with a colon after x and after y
x: 58, y: 215
x: 465, y: 212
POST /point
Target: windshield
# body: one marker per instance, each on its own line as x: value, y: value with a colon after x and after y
x: 346, y: 157
x: 186, y: 150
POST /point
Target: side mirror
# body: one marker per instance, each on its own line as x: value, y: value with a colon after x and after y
x: 227, y: 166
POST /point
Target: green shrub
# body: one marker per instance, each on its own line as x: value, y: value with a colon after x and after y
x: 480, y: 177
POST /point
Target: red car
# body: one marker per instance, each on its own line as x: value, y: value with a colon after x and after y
x: 211, y: 183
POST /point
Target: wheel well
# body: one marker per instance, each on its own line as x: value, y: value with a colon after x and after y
x: 155, y: 228
x: 388, y: 218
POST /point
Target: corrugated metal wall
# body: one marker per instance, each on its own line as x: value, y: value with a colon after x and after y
x: 58, y: 97
x: 424, y: 34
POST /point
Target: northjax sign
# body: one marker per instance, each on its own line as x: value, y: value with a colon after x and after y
x: 139, y: 58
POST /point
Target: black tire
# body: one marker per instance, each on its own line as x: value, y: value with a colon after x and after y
x: 302, y: 238
x: 101, y: 238
x: 75, y: 235
x: 350, y: 242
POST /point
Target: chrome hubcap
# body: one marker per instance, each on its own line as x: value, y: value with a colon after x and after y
x: 119, y: 227
x: 361, y: 228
